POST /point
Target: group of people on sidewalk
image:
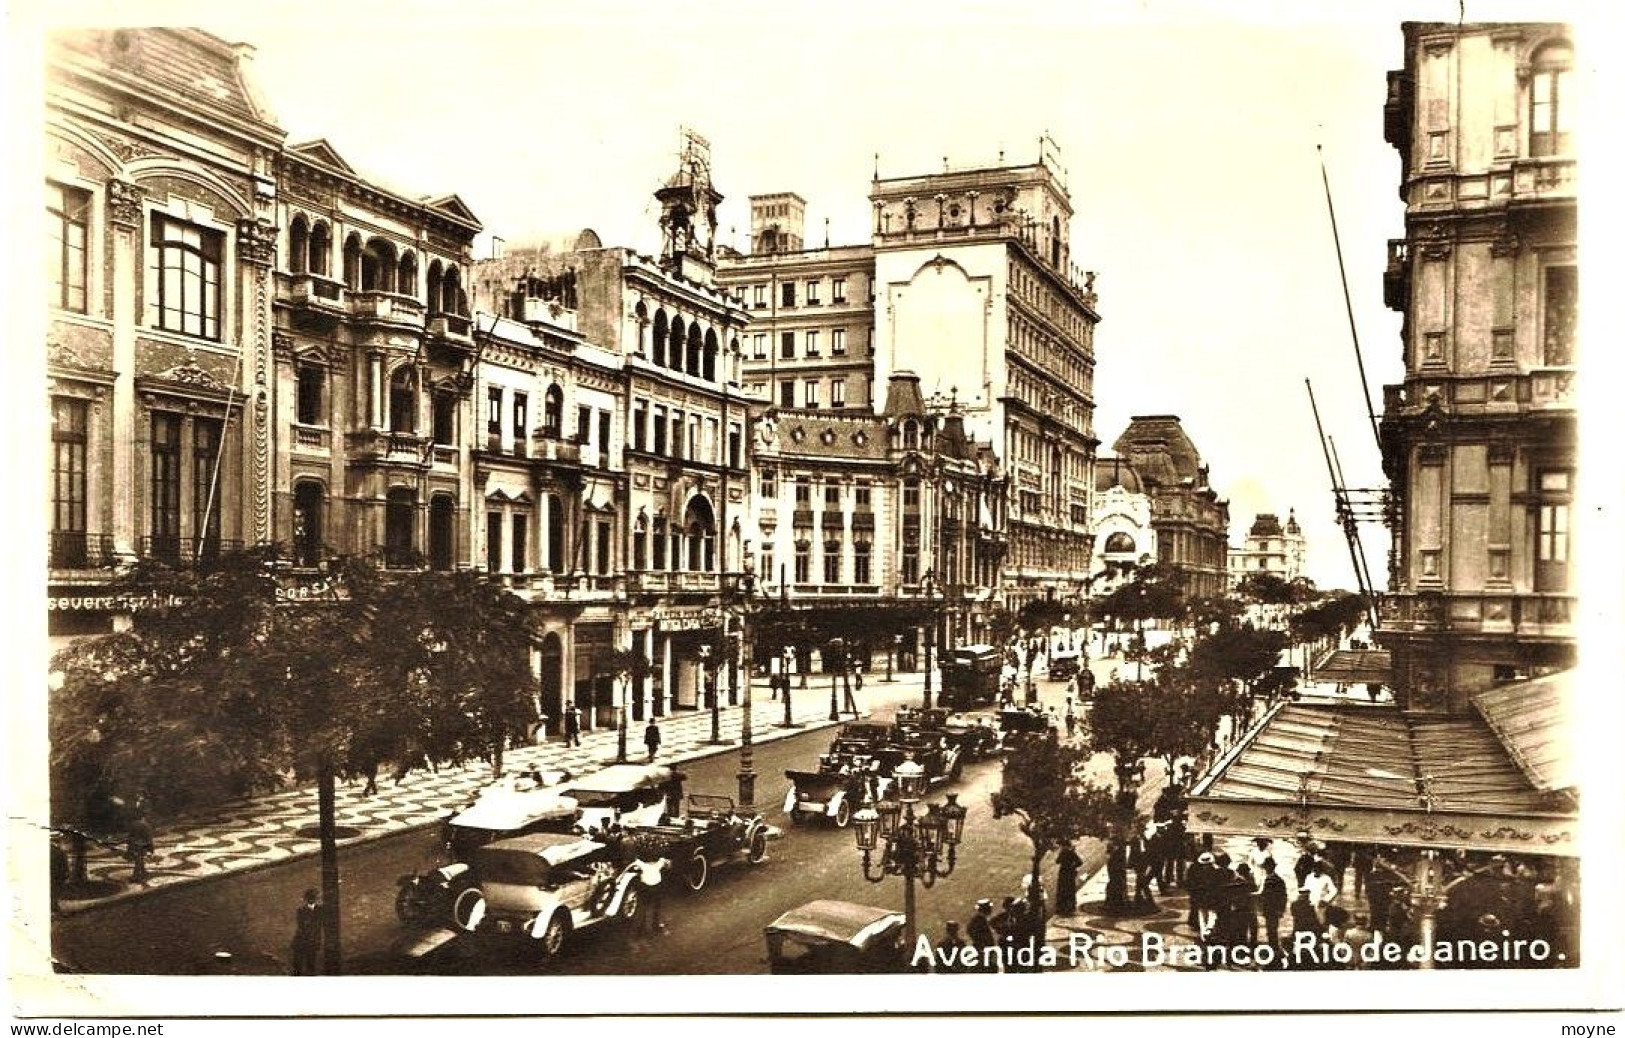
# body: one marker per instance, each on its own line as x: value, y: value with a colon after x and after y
x: 1005, y: 941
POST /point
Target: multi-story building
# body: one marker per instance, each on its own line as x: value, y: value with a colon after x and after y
x: 1189, y: 520
x: 967, y: 283
x: 810, y: 345
x: 1479, y: 438
x: 1120, y: 526
x: 369, y: 394
x: 161, y: 198
x: 1270, y: 547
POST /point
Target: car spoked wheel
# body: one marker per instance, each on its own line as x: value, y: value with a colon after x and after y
x: 408, y: 908
x: 697, y: 871
x: 468, y: 909
x: 843, y: 815
x: 558, y: 928
x: 631, y: 904
x: 757, y: 848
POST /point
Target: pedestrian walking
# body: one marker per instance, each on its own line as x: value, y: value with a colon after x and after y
x: 1071, y: 719
x: 138, y: 838
x: 950, y: 950
x: 1272, y: 901
x: 1141, y: 860
x: 1067, y: 864
x: 307, y: 934
x: 651, y: 888
x: 572, y: 726
x: 983, y: 937
x: 1201, y: 881
x: 651, y: 738
x: 1322, y: 890
x: 1304, y: 920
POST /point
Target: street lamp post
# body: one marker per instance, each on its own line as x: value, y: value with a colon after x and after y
x: 928, y: 588
x: 747, y: 769
x: 914, y: 844
x: 708, y: 676
x: 896, y: 647
x: 784, y: 685
x: 837, y: 649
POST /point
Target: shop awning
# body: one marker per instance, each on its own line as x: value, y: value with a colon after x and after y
x: 1355, y: 667
x: 1532, y: 720
x: 1362, y: 774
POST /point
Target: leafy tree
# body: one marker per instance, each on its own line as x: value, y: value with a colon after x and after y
x: 1153, y: 593
x: 1045, y: 786
x: 230, y: 689
x: 1267, y: 588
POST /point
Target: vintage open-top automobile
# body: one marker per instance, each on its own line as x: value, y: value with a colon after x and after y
x: 858, y: 764
x: 711, y: 831
x: 544, y: 887
x: 626, y: 794
x: 975, y: 739
x: 837, y: 937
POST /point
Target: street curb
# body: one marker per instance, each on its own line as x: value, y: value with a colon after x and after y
x: 189, y: 883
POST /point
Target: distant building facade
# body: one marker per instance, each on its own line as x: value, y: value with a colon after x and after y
x: 1270, y: 547
x: 1191, y: 523
x: 1120, y: 524
x: 1479, y: 438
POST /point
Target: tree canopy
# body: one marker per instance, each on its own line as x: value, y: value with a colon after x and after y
x: 1153, y: 593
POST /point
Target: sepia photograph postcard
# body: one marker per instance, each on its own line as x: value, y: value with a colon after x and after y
x: 739, y: 511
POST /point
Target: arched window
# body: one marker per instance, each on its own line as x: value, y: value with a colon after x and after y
x: 1055, y: 241
x: 553, y: 412
x: 1550, y: 115
x: 1119, y: 543
x: 695, y: 348
x: 400, y: 528
x: 321, y: 249
x: 403, y: 400
x: 309, y: 502
x: 708, y: 367
x: 674, y: 349
x: 452, y: 298
x: 911, y: 435
x: 555, y: 533
x: 657, y: 353
x: 432, y: 287
x: 700, y: 521
x: 299, y: 245
x: 406, y: 280
x: 640, y: 314
x: 352, y: 261
x: 378, y: 267
x: 312, y: 386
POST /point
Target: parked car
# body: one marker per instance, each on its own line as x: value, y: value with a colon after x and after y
x: 1025, y: 719
x: 837, y: 937
x: 627, y: 794
x: 1064, y: 664
x: 859, y: 761
x: 975, y: 739
x: 527, y: 802
x: 710, y: 832
x: 545, y: 887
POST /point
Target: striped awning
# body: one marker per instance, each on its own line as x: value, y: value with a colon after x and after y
x: 1532, y: 720
x: 1362, y: 774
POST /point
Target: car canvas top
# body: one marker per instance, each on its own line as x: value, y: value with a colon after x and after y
x: 624, y: 778
x: 501, y: 808
x: 553, y: 848
x: 840, y: 921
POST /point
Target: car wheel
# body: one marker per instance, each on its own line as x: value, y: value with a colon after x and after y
x: 408, y: 909
x: 843, y: 815
x: 631, y: 904
x: 558, y: 928
x: 797, y: 816
x: 468, y: 909
x: 957, y: 769
x: 697, y: 871
x: 758, y: 847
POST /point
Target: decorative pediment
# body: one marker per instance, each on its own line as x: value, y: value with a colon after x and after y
x: 190, y: 374
x: 455, y: 206
x: 323, y: 154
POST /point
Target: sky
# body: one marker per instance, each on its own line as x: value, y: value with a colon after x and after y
x: 1189, y: 131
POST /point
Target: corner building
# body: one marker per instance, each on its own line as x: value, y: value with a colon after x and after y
x: 1479, y: 438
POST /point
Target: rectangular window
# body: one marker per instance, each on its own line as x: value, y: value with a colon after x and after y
x: 605, y: 542
x: 1561, y: 313
x: 761, y: 297
x: 604, y: 420
x: 860, y: 563
x: 640, y: 549
x: 70, y: 429
x: 493, y: 411
x: 493, y: 542
x: 695, y: 452
x: 770, y: 483
x: 911, y: 494
x: 69, y: 210
x: 832, y: 497
x: 837, y: 342
x: 759, y: 346
x: 660, y: 429
x: 735, y: 456
x: 812, y: 343
x: 640, y: 421
x: 166, y: 485
x: 911, y: 565
x: 812, y: 293
x: 787, y: 345
x: 1554, y: 533
x: 206, y: 489
x: 312, y: 380
x: 787, y: 393
x: 860, y: 497
x: 837, y: 392
x: 811, y: 394
x: 521, y: 541
x: 788, y: 293
x: 677, y: 434
x: 803, y: 492
x: 803, y: 562
x: 770, y: 573
x: 521, y: 419
x: 583, y: 425
x: 186, y: 262
x: 837, y: 290
x: 832, y: 562
x: 659, y: 542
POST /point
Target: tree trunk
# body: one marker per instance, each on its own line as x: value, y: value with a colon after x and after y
x: 332, y: 960
x: 1034, y: 898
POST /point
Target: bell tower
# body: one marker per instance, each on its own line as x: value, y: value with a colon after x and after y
x: 688, y: 213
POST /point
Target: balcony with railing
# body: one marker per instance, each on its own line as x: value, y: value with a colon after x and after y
x: 312, y: 291
x: 373, y: 306
x: 75, y: 549
x: 1529, y: 614
x: 312, y: 438
x: 186, y: 553
x: 1549, y: 177
x: 454, y: 328
x: 383, y: 445
x: 554, y: 449
x: 1396, y: 278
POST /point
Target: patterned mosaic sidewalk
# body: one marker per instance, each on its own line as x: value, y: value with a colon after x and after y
x: 275, y: 827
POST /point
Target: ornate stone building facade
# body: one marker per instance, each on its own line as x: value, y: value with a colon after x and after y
x: 1479, y: 438
x: 1270, y: 547
x: 161, y: 202
x: 1189, y: 520
x: 1120, y: 525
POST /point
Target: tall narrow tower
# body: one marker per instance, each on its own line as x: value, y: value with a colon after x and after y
x: 688, y: 213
